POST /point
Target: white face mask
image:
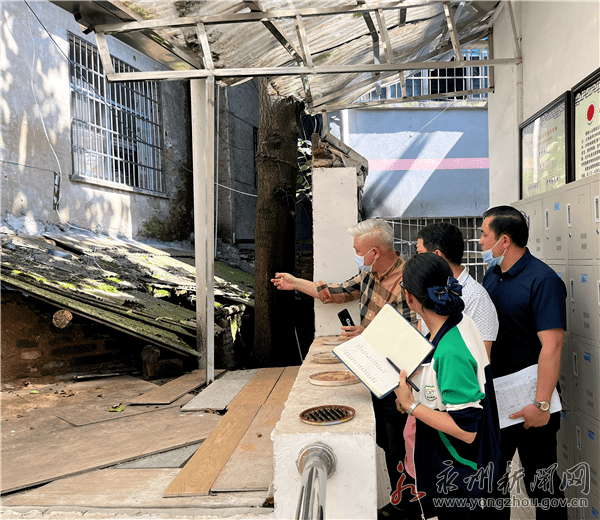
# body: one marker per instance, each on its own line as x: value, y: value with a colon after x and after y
x: 488, y: 255
x: 360, y: 262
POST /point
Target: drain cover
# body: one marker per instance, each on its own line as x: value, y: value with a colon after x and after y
x: 327, y: 415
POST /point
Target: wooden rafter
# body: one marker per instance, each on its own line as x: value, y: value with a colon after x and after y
x: 371, y: 104
x: 513, y: 27
x: 453, y: 31
x: 292, y: 71
x: 188, y: 21
x: 206, y: 55
x: 301, y: 31
x: 389, y: 50
x: 375, y: 38
x: 276, y: 30
x: 104, y: 52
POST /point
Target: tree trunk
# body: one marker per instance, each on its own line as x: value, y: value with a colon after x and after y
x: 277, y: 161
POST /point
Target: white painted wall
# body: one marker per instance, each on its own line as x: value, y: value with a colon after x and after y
x: 560, y: 44
x: 35, y: 126
x: 335, y: 205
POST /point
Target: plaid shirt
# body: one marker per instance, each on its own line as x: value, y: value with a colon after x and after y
x: 374, y: 291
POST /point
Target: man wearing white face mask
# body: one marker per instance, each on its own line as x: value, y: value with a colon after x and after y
x: 377, y: 283
x: 530, y: 301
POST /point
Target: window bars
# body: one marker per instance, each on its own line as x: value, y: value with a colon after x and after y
x: 442, y: 81
x: 116, y: 135
x: 405, y: 239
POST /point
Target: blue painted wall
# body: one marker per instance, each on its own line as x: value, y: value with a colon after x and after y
x: 423, y: 162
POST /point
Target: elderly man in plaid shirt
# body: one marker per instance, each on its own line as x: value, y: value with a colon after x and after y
x: 377, y: 283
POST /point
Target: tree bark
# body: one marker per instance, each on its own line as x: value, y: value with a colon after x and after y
x: 274, y: 234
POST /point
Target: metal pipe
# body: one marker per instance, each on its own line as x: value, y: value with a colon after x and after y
x: 316, y: 463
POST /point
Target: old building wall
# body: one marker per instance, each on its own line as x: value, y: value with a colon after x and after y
x: 236, y: 211
x: 424, y: 161
x: 36, y: 114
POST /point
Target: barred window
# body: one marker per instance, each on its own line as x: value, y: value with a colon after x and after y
x: 407, y: 229
x: 442, y: 81
x: 116, y: 135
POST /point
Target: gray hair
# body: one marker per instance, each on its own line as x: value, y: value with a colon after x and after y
x: 374, y: 227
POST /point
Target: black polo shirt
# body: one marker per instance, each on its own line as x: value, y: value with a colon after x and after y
x: 529, y: 297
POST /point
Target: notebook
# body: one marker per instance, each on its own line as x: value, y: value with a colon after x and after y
x: 389, y: 335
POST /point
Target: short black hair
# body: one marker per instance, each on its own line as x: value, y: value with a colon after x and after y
x: 423, y: 271
x: 509, y: 221
x: 447, y: 238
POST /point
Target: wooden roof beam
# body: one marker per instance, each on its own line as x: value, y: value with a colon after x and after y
x: 186, y: 21
x: 206, y: 55
x: 302, y: 38
x: 453, y: 32
x: 371, y: 104
x: 389, y: 50
x: 276, y: 30
x: 176, y: 75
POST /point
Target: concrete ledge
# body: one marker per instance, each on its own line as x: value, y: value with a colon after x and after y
x: 352, y: 488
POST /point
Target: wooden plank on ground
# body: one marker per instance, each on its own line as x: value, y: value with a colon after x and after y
x: 201, y: 471
x: 282, y: 389
x: 32, y: 461
x: 169, y: 392
x: 219, y: 394
x: 198, y: 475
x: 259, y: 388
x: 125, y: 488
x: 250, y: 467
x: 93, y: 413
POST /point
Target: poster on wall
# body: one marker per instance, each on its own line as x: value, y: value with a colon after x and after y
x: 545, y: 148
x: 586, y: 97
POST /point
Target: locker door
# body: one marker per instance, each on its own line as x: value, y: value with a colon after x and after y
x: 586, y: 391
x: 564, y: 437
x: 555, y: 226
x: 584, y: 299
x: 587, y: 448
x: 579, y: 222
x: 561, y: 270
x: 534, y: 210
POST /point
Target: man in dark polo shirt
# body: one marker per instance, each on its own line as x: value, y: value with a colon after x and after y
x: 530, y: 301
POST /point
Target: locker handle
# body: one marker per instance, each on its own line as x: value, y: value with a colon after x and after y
x: 572, y: 286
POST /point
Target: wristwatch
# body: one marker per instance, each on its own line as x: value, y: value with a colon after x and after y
x: 544, y: 406
x: 412, y: 408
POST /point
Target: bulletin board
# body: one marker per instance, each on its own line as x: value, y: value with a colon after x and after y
x: 545, y: 143
x: 586, y: 108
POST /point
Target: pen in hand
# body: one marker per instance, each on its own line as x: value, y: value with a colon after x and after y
x: 407, y: 379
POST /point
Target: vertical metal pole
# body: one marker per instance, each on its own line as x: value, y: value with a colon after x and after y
x: 197, y: 94
x: 218, y: 118
x: 210, y: 229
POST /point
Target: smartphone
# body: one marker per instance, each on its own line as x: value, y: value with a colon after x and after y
x: 345, y: 318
